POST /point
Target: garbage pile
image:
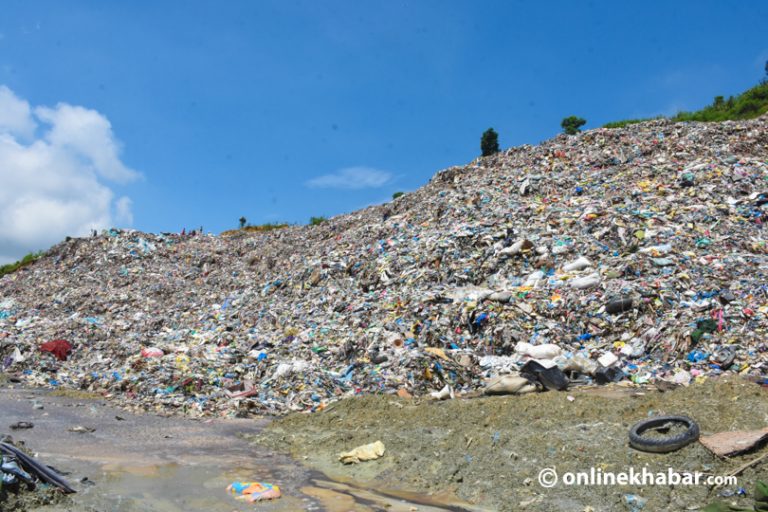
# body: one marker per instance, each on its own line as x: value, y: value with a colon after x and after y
x: 636, y: 254
x: 26, y: 482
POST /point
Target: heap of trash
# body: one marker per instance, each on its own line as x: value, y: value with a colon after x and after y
x: 632, y: 255
x: 26, y: 482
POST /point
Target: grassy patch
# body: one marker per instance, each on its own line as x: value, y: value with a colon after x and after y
x: 261, y: 228
x: 314, y: 221
x: 626, y: 122
x: 747, y: 105
x: 23, y: 262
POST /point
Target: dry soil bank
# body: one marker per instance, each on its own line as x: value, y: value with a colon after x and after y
x: 489, y: 450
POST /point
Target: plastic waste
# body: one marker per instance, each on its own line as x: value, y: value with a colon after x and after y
x: 545, y: 351
x: 580, y: 264
x: 508, y: 385
x: 582, y: 283
x: 551, y: 377
x: 363, y: 453
x: 254, y: 491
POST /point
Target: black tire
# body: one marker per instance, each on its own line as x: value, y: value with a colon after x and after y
x: 670, y: 444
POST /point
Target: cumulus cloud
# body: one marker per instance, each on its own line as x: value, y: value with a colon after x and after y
x: 123, y: 213
x: 352, y: 178
x: 15, y: 115
x: 55, y: 168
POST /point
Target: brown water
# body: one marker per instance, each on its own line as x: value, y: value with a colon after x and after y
x: 151, y: 463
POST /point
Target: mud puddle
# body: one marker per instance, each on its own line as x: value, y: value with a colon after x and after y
x: 131, y: 463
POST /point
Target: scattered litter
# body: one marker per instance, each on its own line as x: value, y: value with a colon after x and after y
x: 79, y: 429
x: 509, y: 385
x: 363, y: 453
x: 443, y: 394
x: 727, y: 444
x: 254, y: 491
x: 59, y: 348
x: 17, y: 464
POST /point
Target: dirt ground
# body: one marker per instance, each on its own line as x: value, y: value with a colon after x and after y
x: 150, y: 463
x: 489, y: 451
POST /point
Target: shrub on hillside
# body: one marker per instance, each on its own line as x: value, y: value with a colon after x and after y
x: 489, y: 142
x: 314, y: 221
x: 572, y: 124
x: 23, y: 262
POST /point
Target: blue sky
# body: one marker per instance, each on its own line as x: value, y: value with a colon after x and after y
x: 281, y: 110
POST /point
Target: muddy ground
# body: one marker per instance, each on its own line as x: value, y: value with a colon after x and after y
x: 489, y: 451
x: 149, y: 463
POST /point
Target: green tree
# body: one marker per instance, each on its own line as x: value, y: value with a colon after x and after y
x: 571, y: 125
x: 489, y: 142
x: 243, y: 220
x: 719, y: 102
x: 397, y: 194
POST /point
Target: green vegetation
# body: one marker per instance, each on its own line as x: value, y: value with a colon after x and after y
x: 23, y: 262
x: 397, y: 194
x: 314, y: 221
x: 626, y: 122
x: 747, y: 105
x: 489, y: 142
x: 572, y: 124
x: 270, y: 226
x: 261, y: 228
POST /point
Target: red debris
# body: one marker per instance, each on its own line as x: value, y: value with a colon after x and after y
x: 59, y: 348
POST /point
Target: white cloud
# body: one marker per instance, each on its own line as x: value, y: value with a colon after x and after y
x: 89, y: 134
x: 15, y: 115
x: 123, y: 213
x: 55, y: 184
x: 352, y: 178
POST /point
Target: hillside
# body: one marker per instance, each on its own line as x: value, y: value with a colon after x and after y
x: 414, y: 294
x: 750, y: 104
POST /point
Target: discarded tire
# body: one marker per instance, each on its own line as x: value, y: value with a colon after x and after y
x: 664, y: 444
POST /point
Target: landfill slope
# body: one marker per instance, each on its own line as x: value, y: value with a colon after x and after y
x: 416, y: 294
